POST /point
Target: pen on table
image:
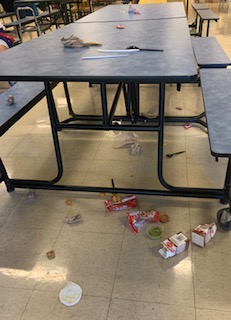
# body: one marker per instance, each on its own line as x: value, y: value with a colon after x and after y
x: 105, y: 57
x: 129, y: 49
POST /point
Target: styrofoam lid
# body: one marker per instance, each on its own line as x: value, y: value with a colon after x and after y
x: 70, y: 294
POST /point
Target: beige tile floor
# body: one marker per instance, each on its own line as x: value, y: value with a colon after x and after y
x: 122, y: 275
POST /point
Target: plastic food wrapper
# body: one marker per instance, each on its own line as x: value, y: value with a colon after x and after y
x: 75, y: 42
x: 74, y: 220
x: 125, y: 140
x: 135, y: 149
x: 125, y: 203
x: 203, y: 233
x: 138, y: 219
x: 174, y: 245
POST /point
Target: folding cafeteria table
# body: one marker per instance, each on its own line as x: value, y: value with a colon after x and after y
x: 119, y: 13
x: 45, y: 59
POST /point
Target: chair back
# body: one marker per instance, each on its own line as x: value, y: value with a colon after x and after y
x: 25, y: 11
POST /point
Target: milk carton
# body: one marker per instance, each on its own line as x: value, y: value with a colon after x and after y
x: 203, y: 233
x: 174, y: 245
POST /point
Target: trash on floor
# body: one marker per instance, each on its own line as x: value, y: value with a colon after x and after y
x: 151, y: 114
x: 154, y: 232
x: 170, y: 155
x: 135, y: 149
x: 115, y: 197
x: 179, y: 108
x: 51, y: 254
x: 70, y: 294
x: 187, y: 126
x: 174, y: 245
x: 203, y: 233
x: 122, y: 140
x: 69, y: 202
x: 138, y: 219
x: 125, y: 203
x: 74, y: 220
x: 128, y: 140
x: 31, y: 195
x: 164, y: 218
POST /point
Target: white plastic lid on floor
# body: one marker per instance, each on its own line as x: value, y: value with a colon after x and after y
x: 70, y: 294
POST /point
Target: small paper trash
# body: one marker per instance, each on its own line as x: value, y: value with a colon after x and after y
x: 174, y: 245
x: 203, y: 233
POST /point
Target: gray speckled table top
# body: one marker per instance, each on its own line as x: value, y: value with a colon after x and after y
x: 216, y: 84
x: 45, y: 58
x: 147, y: 12
x: 209, y: 54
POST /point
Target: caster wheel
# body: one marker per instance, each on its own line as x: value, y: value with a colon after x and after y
x: 224, y: 218
x: 223, y: 201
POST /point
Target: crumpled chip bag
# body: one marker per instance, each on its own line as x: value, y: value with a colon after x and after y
x: 138, y: 219
x: 125, y: 203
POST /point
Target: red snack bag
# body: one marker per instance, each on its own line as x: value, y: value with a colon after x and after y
x: 138, y: 219
x: 124, y: 204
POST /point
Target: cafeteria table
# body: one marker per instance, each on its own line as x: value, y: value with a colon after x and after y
x: 45, y: 59
x: 119, y: 13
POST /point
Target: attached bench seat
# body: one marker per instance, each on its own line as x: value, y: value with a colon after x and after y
x: 204, y: 14
x: 216, y: 84
x: 209, y: 53
x: 26, y: 95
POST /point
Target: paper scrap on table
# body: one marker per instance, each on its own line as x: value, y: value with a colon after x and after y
x: 75, y: 42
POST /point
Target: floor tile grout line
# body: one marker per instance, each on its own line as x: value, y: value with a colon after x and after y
x: 192, y: 261
x: 117, y: 265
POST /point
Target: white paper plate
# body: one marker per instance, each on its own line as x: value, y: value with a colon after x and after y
x: 71, y: 294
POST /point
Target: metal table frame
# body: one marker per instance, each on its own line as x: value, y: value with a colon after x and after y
x: 134, y: 122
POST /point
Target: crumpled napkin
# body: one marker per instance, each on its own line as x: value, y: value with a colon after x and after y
x: 74, y: 42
